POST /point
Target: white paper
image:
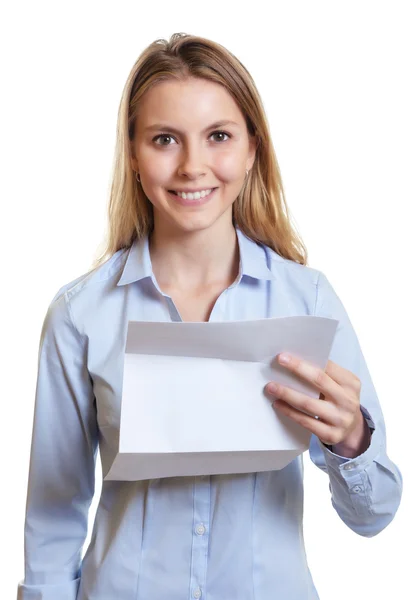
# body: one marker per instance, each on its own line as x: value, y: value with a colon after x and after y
x: 193, y: 400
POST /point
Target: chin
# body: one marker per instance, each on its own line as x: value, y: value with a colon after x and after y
x: 194, y: 221
x: 195, y: 224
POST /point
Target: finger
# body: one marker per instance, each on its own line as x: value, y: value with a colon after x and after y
x: 314, y: 407
x: 327, y: 434
x: 319, y: 378
x: 344, y: 377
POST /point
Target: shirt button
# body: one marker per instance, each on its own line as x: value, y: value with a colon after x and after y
x: 357, y: 489
x: 200, y: 529
x: 197, y: 593
x: 347, y: 467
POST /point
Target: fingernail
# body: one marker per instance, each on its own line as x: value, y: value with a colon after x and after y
x: 284, y: 357
x: 271, y: 387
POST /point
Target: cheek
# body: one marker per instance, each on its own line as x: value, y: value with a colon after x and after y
x: 158, y: 168
x: 153, y: 195
x: 153, y: 179
x: 229, y: 168
x: 154, y: 172
x: 154, y: 166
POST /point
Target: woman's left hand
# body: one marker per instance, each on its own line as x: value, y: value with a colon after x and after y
x: 340, y: 420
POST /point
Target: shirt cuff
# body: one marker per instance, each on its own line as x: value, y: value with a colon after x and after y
x: 62, y: 591
x: 345, y: 464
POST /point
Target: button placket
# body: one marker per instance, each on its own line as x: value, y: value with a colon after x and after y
x: 201, y: 519
x: 200, y: 529
x: 349, y: 466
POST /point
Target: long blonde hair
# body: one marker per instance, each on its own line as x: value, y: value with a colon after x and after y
x: 260, y: 211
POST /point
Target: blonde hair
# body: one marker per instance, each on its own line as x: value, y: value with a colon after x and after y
x: 260, y: 211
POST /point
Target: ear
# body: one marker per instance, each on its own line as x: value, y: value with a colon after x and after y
x: 133, y: 159
x: 253, y: 144
x: 134, y: 164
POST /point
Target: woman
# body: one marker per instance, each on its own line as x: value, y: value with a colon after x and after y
x: 198, y: 231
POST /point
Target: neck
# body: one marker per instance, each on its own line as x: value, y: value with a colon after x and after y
x: 187, y: 261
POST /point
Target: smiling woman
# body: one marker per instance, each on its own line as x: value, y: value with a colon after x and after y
x: 198, y: 231
x: 191, y: 119
x: 194, y: 161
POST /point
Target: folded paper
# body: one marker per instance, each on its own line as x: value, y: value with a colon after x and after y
x: 193, y: 399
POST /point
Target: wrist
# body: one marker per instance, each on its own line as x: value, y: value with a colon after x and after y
x: 356, y: 443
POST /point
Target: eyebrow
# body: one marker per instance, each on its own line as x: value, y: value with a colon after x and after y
x: 162, y: 126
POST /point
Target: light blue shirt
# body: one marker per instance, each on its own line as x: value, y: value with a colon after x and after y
x: 214, y: 537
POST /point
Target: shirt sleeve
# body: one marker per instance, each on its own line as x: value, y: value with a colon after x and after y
x: 61, y: 480
x: 366, y: 490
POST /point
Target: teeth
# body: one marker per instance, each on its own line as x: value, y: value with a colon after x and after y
x: 195, y: 195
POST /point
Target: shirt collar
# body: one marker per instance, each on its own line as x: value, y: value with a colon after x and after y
x: 253, y: 260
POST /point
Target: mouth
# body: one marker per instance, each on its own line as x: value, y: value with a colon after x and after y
x: 188, y: 201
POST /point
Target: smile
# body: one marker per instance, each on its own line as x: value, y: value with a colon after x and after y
x: 195, y: 199
x: 193, y: 195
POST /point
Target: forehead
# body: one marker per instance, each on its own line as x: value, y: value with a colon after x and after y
x: 189, y: 103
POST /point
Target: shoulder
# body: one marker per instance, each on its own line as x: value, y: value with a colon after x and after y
x: 287, y: 271
x: 87, y: 286
x: 310, y: 283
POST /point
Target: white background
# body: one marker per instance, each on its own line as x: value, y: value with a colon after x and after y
x: 339, y: 82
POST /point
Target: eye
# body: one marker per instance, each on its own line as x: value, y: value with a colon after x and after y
x: 167, y: 136
x: 162, y: 135
x: 222, y: 133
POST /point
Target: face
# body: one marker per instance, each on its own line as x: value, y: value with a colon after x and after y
x: 177, y: 147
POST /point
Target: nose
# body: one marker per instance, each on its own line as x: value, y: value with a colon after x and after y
x: 192, y: 161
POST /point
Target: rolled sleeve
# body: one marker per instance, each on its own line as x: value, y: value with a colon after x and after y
x: 366, y: 490
x: 61, y: 480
